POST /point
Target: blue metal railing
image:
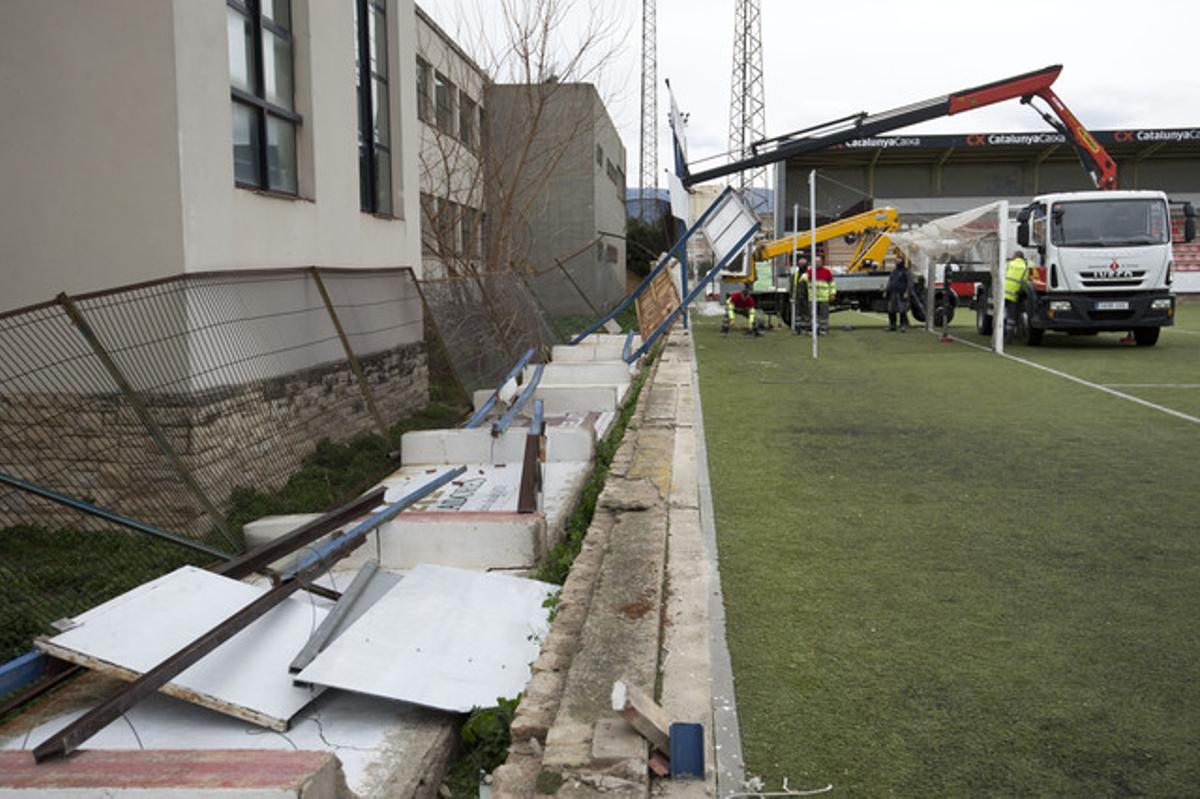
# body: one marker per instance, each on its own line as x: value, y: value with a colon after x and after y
x: 681, y: 244
x: 500, y: 425
x: 486, y: 408
x: 695, y: 292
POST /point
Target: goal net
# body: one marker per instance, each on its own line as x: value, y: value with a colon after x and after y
x: 969, y: 244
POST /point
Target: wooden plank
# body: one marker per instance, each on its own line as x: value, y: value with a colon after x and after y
x: 643, y: 714
x: 656, y: 303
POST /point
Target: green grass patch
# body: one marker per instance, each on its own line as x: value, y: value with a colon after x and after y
x: 948, y: 573
x: 65, y: 572
x: 557, y: 563
x: 336, y: 473
x: 483, y: 742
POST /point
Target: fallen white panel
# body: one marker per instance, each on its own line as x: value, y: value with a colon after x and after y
x: 482, y: 488
x: 246, y: 677
x: 596, y: 373
x: 445, y: 638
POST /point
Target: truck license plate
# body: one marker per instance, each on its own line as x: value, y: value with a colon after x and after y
x: 1120, y: 305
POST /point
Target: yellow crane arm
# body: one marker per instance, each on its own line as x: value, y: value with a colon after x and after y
x: 869, y: 227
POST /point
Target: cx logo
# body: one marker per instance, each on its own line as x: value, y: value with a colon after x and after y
x: 1123, y: 136
x: 976, y: 140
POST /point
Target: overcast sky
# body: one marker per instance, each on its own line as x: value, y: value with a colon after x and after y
x: 1128, y: 64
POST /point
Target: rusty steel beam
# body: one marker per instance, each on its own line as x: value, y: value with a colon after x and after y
x: 259, y: 559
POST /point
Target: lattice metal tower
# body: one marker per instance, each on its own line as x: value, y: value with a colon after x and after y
x: 648, y: 154
x: 747, y: 101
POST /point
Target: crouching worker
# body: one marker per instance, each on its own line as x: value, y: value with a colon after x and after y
x: 741, y: 303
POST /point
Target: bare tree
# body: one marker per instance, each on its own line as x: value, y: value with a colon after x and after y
x: 481, y: 180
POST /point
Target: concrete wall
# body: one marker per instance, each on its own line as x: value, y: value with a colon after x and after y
x: 254, y: 434
x: 563, y: 197
x: 448, y: 169
x: 226, y: 227
x: 88, y: 146
x: 116, y: 147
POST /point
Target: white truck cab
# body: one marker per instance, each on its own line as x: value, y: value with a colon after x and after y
x: 1102, y: 261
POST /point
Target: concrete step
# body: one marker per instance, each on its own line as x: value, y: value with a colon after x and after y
x: 171, y: 773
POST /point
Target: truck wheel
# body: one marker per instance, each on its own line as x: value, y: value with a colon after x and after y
x: 1026, y: 333
x: 983, y: 319
x: 943, y: 310
x: 1146, y: 336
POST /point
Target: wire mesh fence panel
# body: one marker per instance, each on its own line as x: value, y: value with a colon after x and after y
x: 486, y: 322
x: 163, y: 401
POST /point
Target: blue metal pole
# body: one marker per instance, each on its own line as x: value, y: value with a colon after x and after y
x: 666, y: 324
x: 682, y: 243
x: 504, y: 421
x: 108, y: 515
x: 373, y: 521
x: 486, y: 408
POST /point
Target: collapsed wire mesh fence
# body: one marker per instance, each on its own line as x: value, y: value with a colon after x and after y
x: 162, y: 400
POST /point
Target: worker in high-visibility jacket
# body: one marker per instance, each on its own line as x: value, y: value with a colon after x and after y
x: 741, y: 303
x: 1015, y: 274
x: 821, y: 281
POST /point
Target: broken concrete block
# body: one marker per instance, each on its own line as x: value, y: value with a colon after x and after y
x: 643, y: 714
x: 614, y: 739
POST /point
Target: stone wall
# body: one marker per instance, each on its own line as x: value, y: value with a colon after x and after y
x: 255, y: 435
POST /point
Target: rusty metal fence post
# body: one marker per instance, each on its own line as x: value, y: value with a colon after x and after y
x: 146, y: 419
x: 355, y: 367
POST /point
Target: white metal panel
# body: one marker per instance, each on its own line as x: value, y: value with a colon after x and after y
x: 246, y: 677
x: 727, y: 225
x: 445, y: 638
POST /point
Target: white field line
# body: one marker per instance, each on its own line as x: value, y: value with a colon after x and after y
x: 1087, y: 383
x: 1153, y: 385
x: 1174, y: 329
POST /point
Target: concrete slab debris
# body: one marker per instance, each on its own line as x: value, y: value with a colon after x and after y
x: 174, y: 773
x: 643, y: 714
x: 245, y: 677
x: 444, y: 638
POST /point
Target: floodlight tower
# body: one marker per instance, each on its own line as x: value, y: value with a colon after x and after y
x: 648, y: 154
x: 747, y: 101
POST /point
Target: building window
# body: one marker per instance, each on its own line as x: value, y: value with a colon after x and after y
x: 374, y: 122
x: 429, y: 221
x: 470, y: 232
x: 424, y: 81
x: 260, y: 75
x: 467, y: 114
x: 444, y: 101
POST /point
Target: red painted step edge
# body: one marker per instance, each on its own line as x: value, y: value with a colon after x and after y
x: 164, y: 768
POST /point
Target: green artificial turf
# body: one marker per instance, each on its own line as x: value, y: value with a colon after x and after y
x: 951, y: 574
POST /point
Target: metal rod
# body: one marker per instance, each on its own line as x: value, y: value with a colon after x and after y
x: 261, y: 557
x: 143, y: 414
x: 625, y: 303
x: 501, y: 424
x: 700, y: 284
x: 487, y: 406
x: 57, y: 672
x: 812, y: 223
x: 320, y: 638
x: 330, y: 551
x: 355, y: 367
x: 70, y: 737
x: 108, y: 515
x: 628, y: 344
x: 531, y: 465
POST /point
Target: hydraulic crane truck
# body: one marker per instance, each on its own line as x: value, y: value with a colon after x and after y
x: 772, y: 285
x: 1103, y: 257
